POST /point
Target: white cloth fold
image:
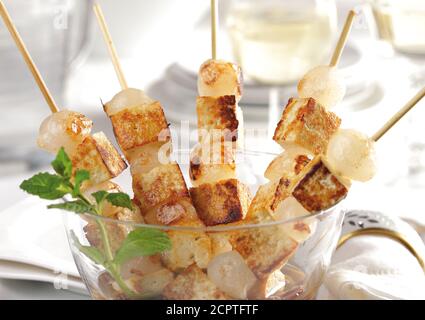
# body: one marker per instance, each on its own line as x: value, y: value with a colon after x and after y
x: 374, y: 267
x: 34, y: 246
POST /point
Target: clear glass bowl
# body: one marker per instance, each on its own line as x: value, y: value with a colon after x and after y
x: 146, y: 277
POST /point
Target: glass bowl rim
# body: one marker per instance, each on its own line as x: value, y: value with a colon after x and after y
x: 217, y: 228
x: 221, y: 227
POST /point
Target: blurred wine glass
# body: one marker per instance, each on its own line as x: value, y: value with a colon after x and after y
x: 401, y: 23
x: 55, y: 32
x: 277, y: 41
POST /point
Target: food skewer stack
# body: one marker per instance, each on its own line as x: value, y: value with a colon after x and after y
x: 292, y: 192
x: 218, y: 196
x: 160, y: 190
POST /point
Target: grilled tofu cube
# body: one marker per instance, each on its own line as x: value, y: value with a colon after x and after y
x: 217, y: 115
x: 159, y: 185
x: 140, y: 125
x: 188, y: 247
x: 319, y: 189
x: 269, y: 196
x: 265, y: 249
x: 93, y: 235
x: 306, y: 123
x: 267, y: 287
x: 219, y: 243
x: 99, y: 157
x: 276, y: 200
x: 225, y: 201
x: 315, y: 189
x: 210, y: 163
x: 152, y: 284
x: 193, y: 284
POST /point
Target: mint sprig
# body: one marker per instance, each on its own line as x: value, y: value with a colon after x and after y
x: 142, y: 242
x: 47, y: 186
x: 62, y: 164
x: 120, y: 199
x: 77, y: 206
x: 93, y: 253
x: 139, y: 242
x: 80, y: 177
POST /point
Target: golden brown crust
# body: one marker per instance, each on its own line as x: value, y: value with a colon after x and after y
x: 222, y: 202
x: 187, y: 247
x: 306, y: 123
x: 217, y: 113
x: 77, y: 123
x: 300, y: 162
x: 110, y: 156
x: 269, y: 196
x: 99, y: 157
x: 264, y: 249
x: 193, y: 284
x: 207, y: 165
x: 319, y: 189
x: 162, y: 184
x: 139, y: 125
x: 267, y: 286
x: 116, y: 234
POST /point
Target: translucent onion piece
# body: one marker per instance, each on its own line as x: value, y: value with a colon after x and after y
x: 219, y: 78
x: 287, y: 164
x: 63, y: 129
x: 231, y: 275
x: 351, y: 154
x: 125, y: 99
x: 324, y: 84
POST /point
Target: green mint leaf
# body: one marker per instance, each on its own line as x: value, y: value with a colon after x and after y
x: 120, y: 199
x: 46, y: 186
x: 142, y: 242
x: 62, y: 164
x: 77, y: 206
x: 80, y: 177
x: 92, y: 252
x: 99, y: 196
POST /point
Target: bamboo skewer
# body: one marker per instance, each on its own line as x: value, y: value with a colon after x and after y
x: 396, y: 117
x: 214, y: 24
x: 342, y: 39
x: 27, y: 57
x: 110, y: 44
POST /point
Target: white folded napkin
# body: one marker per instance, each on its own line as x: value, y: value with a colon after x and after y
x: 374, y: 267
x: 377, y: 267
x: 34, y: 246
